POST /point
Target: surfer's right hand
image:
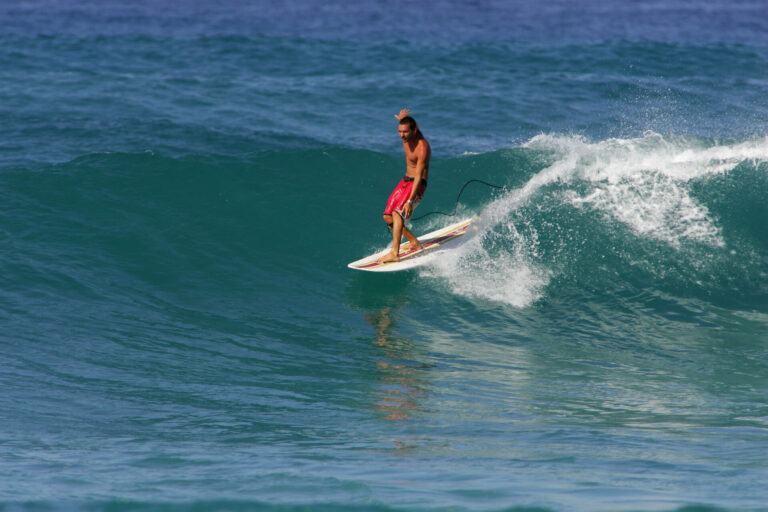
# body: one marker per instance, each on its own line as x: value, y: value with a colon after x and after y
x: 403, y: 113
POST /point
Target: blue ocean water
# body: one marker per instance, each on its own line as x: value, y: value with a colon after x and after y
x: 184, y: 183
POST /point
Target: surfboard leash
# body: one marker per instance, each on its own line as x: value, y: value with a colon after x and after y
x: 456, y: 206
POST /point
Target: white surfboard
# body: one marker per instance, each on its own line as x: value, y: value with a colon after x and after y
x: 414, y: 258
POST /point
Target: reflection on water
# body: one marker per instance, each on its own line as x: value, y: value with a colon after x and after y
x: 403, y: 386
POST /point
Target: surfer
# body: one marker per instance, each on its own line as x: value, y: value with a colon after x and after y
x: 408, y: 193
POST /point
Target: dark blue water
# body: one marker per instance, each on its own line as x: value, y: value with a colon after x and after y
x: 183, y: 186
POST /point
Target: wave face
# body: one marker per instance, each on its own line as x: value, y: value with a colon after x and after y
x: 182, y: 188
x: 674, y: 215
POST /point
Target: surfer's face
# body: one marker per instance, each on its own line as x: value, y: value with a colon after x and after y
x: 405, y: 132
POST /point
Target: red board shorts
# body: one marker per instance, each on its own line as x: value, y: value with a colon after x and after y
x: 400, y: 196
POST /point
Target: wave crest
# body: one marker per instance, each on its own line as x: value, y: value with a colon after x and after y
x: 611, y: 205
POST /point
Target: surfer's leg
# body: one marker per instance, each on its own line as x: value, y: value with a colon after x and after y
x: 397, y: 233
x: 413, y: 242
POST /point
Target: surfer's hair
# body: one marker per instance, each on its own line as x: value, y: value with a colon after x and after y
x: 411, y: 122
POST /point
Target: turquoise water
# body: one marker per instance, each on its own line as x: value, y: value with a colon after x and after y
x: 182, y: 189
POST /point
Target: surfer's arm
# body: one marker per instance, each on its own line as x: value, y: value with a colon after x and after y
x: 421, y: 163
x: 416, y: 183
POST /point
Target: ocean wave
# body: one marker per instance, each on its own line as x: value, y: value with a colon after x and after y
x: 642, y: 208
x: 681, y: 215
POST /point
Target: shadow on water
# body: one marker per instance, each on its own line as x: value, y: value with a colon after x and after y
x: 401, y: 384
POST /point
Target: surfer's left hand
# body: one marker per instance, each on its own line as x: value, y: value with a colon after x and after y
x: 403, y: 113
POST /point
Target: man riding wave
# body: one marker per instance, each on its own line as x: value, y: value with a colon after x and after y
x: 409, y: 192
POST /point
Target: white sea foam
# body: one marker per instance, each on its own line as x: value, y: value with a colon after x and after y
x: 642, y: 183
x: 477, y: 269
x: 654, y: 206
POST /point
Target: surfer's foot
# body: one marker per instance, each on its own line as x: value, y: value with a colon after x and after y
x: 389, y: 258
x: 410, y: 247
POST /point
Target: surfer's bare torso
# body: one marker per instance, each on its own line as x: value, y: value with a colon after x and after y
x: 417, y: 155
